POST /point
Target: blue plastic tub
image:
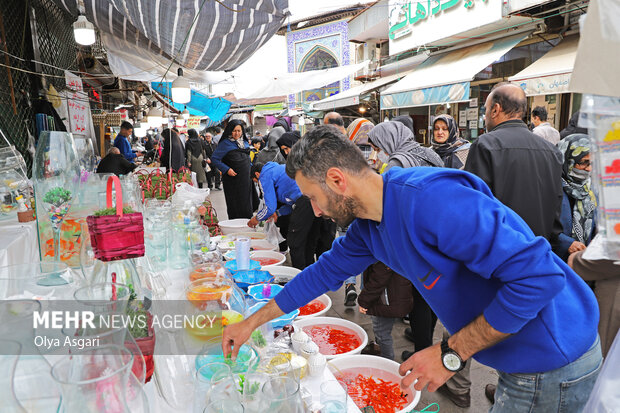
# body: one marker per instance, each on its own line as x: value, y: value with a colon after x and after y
x: 246, y: 278
x: 256, y: 291
x: 276, y: 322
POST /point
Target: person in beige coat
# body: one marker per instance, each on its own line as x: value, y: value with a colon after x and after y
x: 606, y: 278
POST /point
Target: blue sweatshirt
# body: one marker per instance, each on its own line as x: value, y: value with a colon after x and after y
x: 223, y: 147
x: 467, y: 254
x: 277, y: 187
x: 123, y: 145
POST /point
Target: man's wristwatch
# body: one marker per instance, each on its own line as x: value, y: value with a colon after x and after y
x: 450, y: 358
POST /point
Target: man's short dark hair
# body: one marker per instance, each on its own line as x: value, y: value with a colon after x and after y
x: 541, y: 112
x: 257, y: 167
x: 126, y: 125
x: 334, y: 118
x: 512, y: 99
x: 322, y: 148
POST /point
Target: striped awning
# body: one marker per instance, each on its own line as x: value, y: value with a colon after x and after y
x: 224, y: 36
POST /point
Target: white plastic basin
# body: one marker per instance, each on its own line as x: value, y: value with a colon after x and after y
x: 325, y: 300
x: 336, y: 322
x: 282, y: 274
x: 363, y: 362
x: 262, y: 245
x: 234, y: 226
x: 255, y: 255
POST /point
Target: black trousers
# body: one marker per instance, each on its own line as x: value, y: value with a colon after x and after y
x: 308, y: 235
x: 422, y: 320
x: 214, y: 174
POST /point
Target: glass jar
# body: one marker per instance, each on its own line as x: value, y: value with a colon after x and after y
x: 99, y: 380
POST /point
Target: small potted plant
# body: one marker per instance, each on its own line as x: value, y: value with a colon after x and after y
x: 140, y: 326
x: 116, y: 232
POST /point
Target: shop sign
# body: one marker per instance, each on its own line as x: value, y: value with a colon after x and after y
x: 516, y: 5
x: 545, y: 85
x: 77, y: 104
x: 462, y: 118
x: 193, y: 122
x: 415, y: 23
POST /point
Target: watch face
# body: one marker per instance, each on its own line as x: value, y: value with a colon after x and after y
x: 451, y: 361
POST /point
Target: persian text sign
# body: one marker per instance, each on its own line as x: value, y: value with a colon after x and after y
x: 77, y: 104
x: 416, y: 23
x: 545, y: 85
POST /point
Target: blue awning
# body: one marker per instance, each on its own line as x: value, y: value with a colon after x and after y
x: 199, y: 105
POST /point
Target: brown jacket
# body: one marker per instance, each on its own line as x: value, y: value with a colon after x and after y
x: 385, y: 293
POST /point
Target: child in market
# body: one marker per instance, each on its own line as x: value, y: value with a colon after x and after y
x: 386, y: 296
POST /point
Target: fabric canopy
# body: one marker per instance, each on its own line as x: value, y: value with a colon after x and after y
x: 551, y: 73
x: 445, y: 77
x: 290, y: 83
x: 224, y: 36
x: 199, y: 105
x: 352, y: 96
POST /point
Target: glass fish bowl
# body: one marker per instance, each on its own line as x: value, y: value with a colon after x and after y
x: 214, y: 303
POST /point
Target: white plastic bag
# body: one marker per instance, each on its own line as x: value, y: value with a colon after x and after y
x: 186, y: 192
x: 273, y: 234
x: 605, y: 396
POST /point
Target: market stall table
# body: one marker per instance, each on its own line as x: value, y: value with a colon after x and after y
x: 18, y: 243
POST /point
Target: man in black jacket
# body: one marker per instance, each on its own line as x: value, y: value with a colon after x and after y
x: 114, y: 162
x: 523, y: 171
x: 213, y: 174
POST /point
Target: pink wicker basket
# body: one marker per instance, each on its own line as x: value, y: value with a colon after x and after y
x: 116, y: 237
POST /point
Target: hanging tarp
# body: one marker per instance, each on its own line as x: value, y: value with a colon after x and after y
x: 199, y: 105
x: 597, y: 61
x: 263, y: 86
x: 224, y: 35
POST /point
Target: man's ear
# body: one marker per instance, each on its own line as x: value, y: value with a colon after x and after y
x: 336, y: 180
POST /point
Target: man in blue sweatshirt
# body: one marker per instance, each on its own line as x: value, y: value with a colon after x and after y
x: 302, y: 231
x: 122, y: 141
x: 506, y: 299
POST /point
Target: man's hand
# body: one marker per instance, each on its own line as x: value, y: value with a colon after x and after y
x: 237, y: 334
x: 273, y: 218
x: 425, y: 366
x: 576, y: 246
x: 208, y: 160
x: 231, y: 172
x: 253, y: 222
x: 363, y: 310
x: 234, y: 336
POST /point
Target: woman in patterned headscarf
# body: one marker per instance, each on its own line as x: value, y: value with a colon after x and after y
x: 358, y: 134
x: 446, y: 142
x: 579, y: 202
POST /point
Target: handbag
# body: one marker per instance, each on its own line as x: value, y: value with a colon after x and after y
x: 116, y: 237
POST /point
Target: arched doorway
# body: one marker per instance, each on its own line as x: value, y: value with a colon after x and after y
x: 319, y: 58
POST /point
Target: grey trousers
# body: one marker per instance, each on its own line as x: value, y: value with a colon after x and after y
x: 382, y: 327
x: 460, y: 383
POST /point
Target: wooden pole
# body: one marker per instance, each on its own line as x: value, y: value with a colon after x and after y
x: 6, y: 61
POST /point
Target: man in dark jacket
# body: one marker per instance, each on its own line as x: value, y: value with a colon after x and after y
x: 213, y: 174
x: 523, y: 171
x: 114, y: 162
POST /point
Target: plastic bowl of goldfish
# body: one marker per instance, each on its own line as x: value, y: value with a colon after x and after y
x: 374, y: 381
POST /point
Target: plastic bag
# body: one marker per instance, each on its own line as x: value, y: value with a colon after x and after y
x: 605, y: 396
x: 186, y: 192
x: 273, y: 234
